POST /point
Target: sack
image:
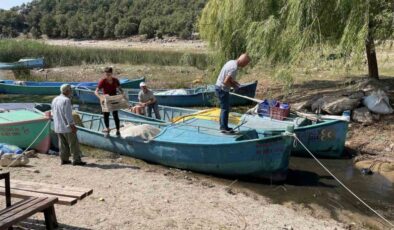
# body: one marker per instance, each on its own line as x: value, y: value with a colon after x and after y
x: 378, y: 102
x: 139, y: 132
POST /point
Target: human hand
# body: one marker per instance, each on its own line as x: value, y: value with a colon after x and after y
x: 74, y: 129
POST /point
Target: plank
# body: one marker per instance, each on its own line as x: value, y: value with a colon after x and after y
x: 38, y: 205
x: 63, y: 200
x: 64, y: 187
x: 46, y: 190
x: 31, y: 202
x: 16, y: 205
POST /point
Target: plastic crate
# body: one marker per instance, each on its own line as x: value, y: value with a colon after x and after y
x: 279, y: 113
x: 113, y: 103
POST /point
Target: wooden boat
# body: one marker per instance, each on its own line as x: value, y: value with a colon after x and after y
x: 26, y: 63
x: 325, y: 137
x: 197, y: 148
x: 22, y: 127
x: 52, y: 88
x: 203, y: 96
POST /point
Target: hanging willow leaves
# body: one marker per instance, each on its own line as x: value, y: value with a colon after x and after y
x: 281, y: 32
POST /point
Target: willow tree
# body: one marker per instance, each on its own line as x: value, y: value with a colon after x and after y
x: 281, y: 31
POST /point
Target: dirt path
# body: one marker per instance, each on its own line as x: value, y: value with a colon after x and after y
x: 143, y: 196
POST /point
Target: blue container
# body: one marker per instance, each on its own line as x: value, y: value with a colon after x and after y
x: 264, y: 108
x: 284, y: 106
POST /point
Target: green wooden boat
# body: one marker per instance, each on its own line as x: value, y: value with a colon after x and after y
x: 24, y: 127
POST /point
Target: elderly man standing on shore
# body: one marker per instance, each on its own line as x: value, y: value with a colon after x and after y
x: 65, y: 127
x: 227, y: 80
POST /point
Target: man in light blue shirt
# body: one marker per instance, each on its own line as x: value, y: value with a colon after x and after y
x: 65, y: 127
x: 227, y: 80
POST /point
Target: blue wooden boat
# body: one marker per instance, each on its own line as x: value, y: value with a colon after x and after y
x: 198, y: 148
x: 52, y: 88
x: 324, y: 137
x: 203, y: 96
x: 26, y: 63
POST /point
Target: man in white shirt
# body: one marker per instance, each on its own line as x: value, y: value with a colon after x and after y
x: 65, y: 127
x: 227, y: 80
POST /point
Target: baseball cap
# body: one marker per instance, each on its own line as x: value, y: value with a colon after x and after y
x: 142, y: 84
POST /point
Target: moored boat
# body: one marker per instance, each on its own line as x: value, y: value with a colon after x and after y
x: 24, y: 128
x: 202, y: 96
x: 198, y: 148
x: 324, y: 137
x: 52, y: 88
x: 25, y: 63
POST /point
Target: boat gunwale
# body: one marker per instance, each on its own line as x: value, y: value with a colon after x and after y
x: 279, y: 136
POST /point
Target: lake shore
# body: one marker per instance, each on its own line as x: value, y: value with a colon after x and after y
x: 137, y: 195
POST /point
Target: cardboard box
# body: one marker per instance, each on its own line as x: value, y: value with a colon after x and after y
x: 112, y: 103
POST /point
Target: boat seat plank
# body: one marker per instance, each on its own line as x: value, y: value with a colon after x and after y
x: 59, y: 186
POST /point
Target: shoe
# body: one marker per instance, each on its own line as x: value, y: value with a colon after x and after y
x: 118, y: 133
x: 65, y: 162
x: 227, y: 131
x: 79, y: 163
x: 106, y: 132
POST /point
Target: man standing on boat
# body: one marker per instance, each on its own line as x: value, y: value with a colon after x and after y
x: 148, y: 100
x: 109, y: 85
x: 65, y: 127
x: 227, y: 80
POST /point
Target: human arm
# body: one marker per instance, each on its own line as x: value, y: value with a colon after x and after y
x: 230, y: 82
x: 69, y: 117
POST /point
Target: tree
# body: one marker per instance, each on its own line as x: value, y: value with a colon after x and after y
x: 279, y: 31
x: 48, y: 26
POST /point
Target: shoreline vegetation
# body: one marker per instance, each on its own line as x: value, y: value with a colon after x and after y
x: 11, y: 50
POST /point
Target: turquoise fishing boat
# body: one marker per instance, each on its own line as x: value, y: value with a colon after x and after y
x: 324, y: 137
x: 52, y: 88
x: 201, y: 96
x: 195, y: 147
x: 26, y: 63
x: 24, y: 127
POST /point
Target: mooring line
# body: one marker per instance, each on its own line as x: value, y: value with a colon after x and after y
x: 343, y: 185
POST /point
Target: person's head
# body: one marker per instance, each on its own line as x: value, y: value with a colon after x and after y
x: 108, y: 72
x: 66, y: 90
x: 243, y: 60
x: 143, y: 87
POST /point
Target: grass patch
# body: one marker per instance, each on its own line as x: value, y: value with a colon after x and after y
x: 12, y: 50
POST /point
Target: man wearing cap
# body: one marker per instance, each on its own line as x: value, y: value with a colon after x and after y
x: 65, y: 127
x: 148, y: 100
x: 227, y: 80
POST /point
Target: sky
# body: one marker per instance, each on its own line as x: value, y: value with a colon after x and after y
x: 7, y: 4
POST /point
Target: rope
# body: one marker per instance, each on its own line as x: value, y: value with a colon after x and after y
x: 31, y: 144
x: 343, y: 185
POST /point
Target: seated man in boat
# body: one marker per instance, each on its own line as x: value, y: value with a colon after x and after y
x: 109, y: 86
x: 227, y: 80
x: 65, y: 127
x: 147, y: 100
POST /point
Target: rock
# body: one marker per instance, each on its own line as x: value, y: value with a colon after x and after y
x: 362, y: 115
x: 101, y: 199
x: 301, y: 105
x: 357, y: 95
x: 336, y: 105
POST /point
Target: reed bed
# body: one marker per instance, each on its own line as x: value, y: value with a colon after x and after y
x: 55, y: 56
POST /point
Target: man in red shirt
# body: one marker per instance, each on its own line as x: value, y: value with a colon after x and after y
x: 109, y: 86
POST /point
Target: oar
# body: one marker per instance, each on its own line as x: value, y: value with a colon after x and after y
x: 246, y: 97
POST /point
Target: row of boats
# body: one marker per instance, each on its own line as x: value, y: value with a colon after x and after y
x: 189, y: 138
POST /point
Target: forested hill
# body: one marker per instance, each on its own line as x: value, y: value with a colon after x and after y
x: 102, y: 19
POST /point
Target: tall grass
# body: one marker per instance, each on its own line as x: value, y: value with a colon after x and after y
x: 12, y: 50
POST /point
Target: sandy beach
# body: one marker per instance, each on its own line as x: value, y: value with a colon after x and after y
x: 138, y: 195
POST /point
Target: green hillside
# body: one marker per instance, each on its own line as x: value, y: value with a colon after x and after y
x: 102, y: 19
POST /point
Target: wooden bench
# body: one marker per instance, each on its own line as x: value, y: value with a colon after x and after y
x: 21, y: 210
x: 66, y: 195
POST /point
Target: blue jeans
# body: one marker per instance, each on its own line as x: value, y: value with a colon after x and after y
x: 224, y: 99
x: 155, y: 108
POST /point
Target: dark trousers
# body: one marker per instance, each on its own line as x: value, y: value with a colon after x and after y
x: 116, y: 119
x: 224, y: 99
x: 155, y: 108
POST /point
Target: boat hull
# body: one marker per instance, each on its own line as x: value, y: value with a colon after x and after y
x: 52, y: 88
x: 23, y: 64
x: 265, y: 157
x: 22, y: 134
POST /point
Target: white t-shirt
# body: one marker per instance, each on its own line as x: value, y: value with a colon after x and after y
x: 230, y: 68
